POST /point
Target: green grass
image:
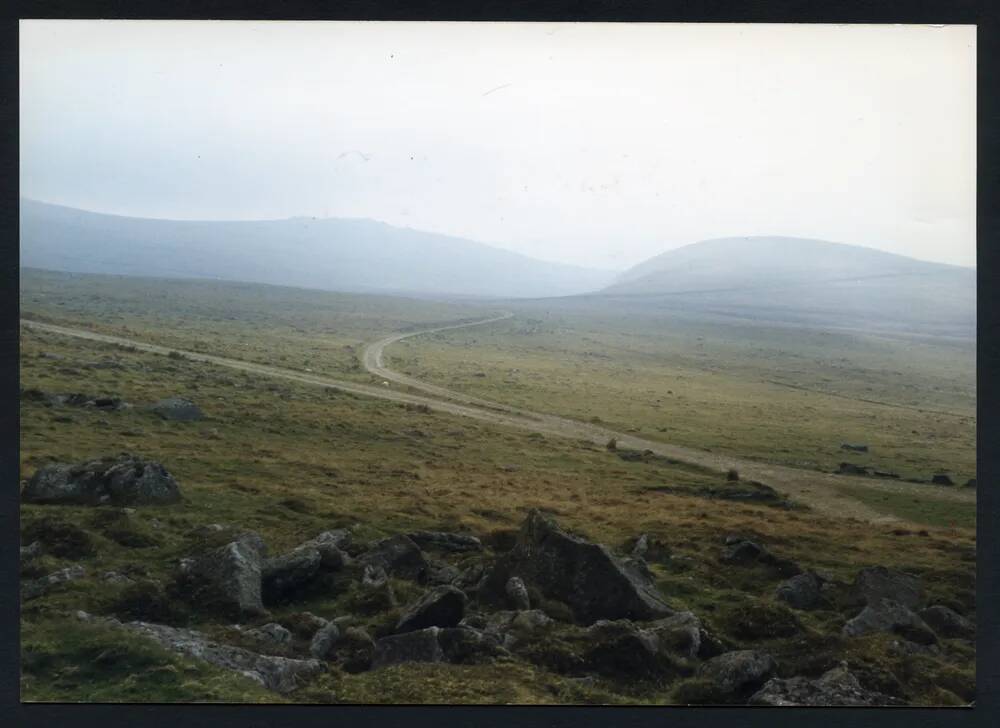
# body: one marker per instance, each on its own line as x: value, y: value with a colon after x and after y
x: 916, y: 508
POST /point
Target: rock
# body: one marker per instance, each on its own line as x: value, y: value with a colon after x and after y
x: 740, y: 673
x: 852, y: 469
x: 177, y: 409
x: 115, y: 577
x: 322, y: 643
x: 122, y: 480
x: 619, y: 648
x: 684, y: 633
x: 947, y: 623
x: 854, y: 448
x: 304, y: 625
x: 418, y: 646
x: 280, y: 674
x: 878, y: 582
x: 227, y: 579
x: 885, y: 615
x: 743, y: 552
x: 379, y: 590
x: 837, y: 687
x: 440, y: 607
x: 331, y: 545
x: 800, y: 592
x: 942, y: 479
x: 37, y: 587
x: 465, y: 645
x: 445, y: 541
x: 584, y: 575
x: 517, y: 593
x: 283, y: 575
x: 31, y: 551
x: 271, y: 632
x: 398, y: 556
x: 650, y: 549
x: 440, y: 573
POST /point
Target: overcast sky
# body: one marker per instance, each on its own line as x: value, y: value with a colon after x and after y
x: 597, y: 144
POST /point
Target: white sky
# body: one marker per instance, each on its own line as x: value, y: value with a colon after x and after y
x: 597, y: 144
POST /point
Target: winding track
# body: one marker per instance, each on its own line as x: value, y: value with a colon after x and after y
x: 818, y: 490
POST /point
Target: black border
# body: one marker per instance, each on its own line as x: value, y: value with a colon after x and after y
x: 979, y: 12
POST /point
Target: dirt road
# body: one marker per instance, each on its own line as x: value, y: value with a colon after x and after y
x: 818, y: 490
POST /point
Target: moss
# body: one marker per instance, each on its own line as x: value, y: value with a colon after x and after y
x: 756, y: 619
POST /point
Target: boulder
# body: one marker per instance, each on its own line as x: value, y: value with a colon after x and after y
x: 177, y: 409
x: 740, y: 673
x: 331, y: 545
x: 878, y: 582
x: 684, y: 633
x: 280, y: 674
x: 355, y: 650
x: 802, y: 591
x: 586, y: 576
x: 285, y: 574
x: 837, y: 687
x: 743, y: 552
x: 322, y: 643
x: 37, y: 587
x: 227, y: 579
x: 122, y: 480
x: 517, y: 593
x: 398, y: 556
x: 885, y: 615
x: 465, y: 645
x: 947, y: 622
x: 440, y: 607
x: 377, y: 588
x: 304, y: 625
x: 418, y: 646
x: 440, y: 573
x: 445, y: 541
x: 618, y: 648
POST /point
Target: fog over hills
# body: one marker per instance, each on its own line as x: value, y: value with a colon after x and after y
x: 333, y: 254
x: 804, y: 280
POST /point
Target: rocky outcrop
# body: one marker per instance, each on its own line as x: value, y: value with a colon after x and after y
x: 227, y: 579
x: 585, y: 576
x: 281, y: 674
x: 837, y: 687
x: 740, y: 673
x: 125, y: 480
x: 885, y: 615
x: 177, y: 409
x: 440, y: 607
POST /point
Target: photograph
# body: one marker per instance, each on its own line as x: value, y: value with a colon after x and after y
x: 496, y: 363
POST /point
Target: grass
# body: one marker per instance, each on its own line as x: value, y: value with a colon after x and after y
x: 928, y: 511
x: 289, y: 460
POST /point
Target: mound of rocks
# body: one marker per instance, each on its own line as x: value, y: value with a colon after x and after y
x: 585, y: 576
x: 837, y: 687
x: 123, y: 480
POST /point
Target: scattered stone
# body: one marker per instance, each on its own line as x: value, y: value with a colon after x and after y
x: 942, y: 479
x: 737, y: 674
x: 398, y: 556
x: 122, y: 480
x: 31, y: 551
x: 280, y: 674
x: 445, y: 541
x: 440, y: 607
x: 802, y: 591
x: 584, y: 575
x: 271, y: 632
x: 418, y: 646
x: 227, y: 579
x: 854, y: 448
x: 283, y: 575
x: 878, y: 582
x: 517, y: 593
x: 885, y: 615
x: 37, y: 587
x: 947, y: 622
x: 177, y: 409
x: 837, y: 687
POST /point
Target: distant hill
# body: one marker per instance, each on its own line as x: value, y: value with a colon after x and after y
x: 352, y: 255
x: 804, y: 280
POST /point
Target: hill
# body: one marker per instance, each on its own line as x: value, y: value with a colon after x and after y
x: 807, y: 281
x: 353, y: 255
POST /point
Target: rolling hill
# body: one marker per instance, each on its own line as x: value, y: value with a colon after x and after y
x: 353, y: 255
x: 805, y: 281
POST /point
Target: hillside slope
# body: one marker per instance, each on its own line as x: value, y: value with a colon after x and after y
x: 332, y: 254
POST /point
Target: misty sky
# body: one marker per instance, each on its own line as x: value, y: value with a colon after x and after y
x: 593, y: 144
